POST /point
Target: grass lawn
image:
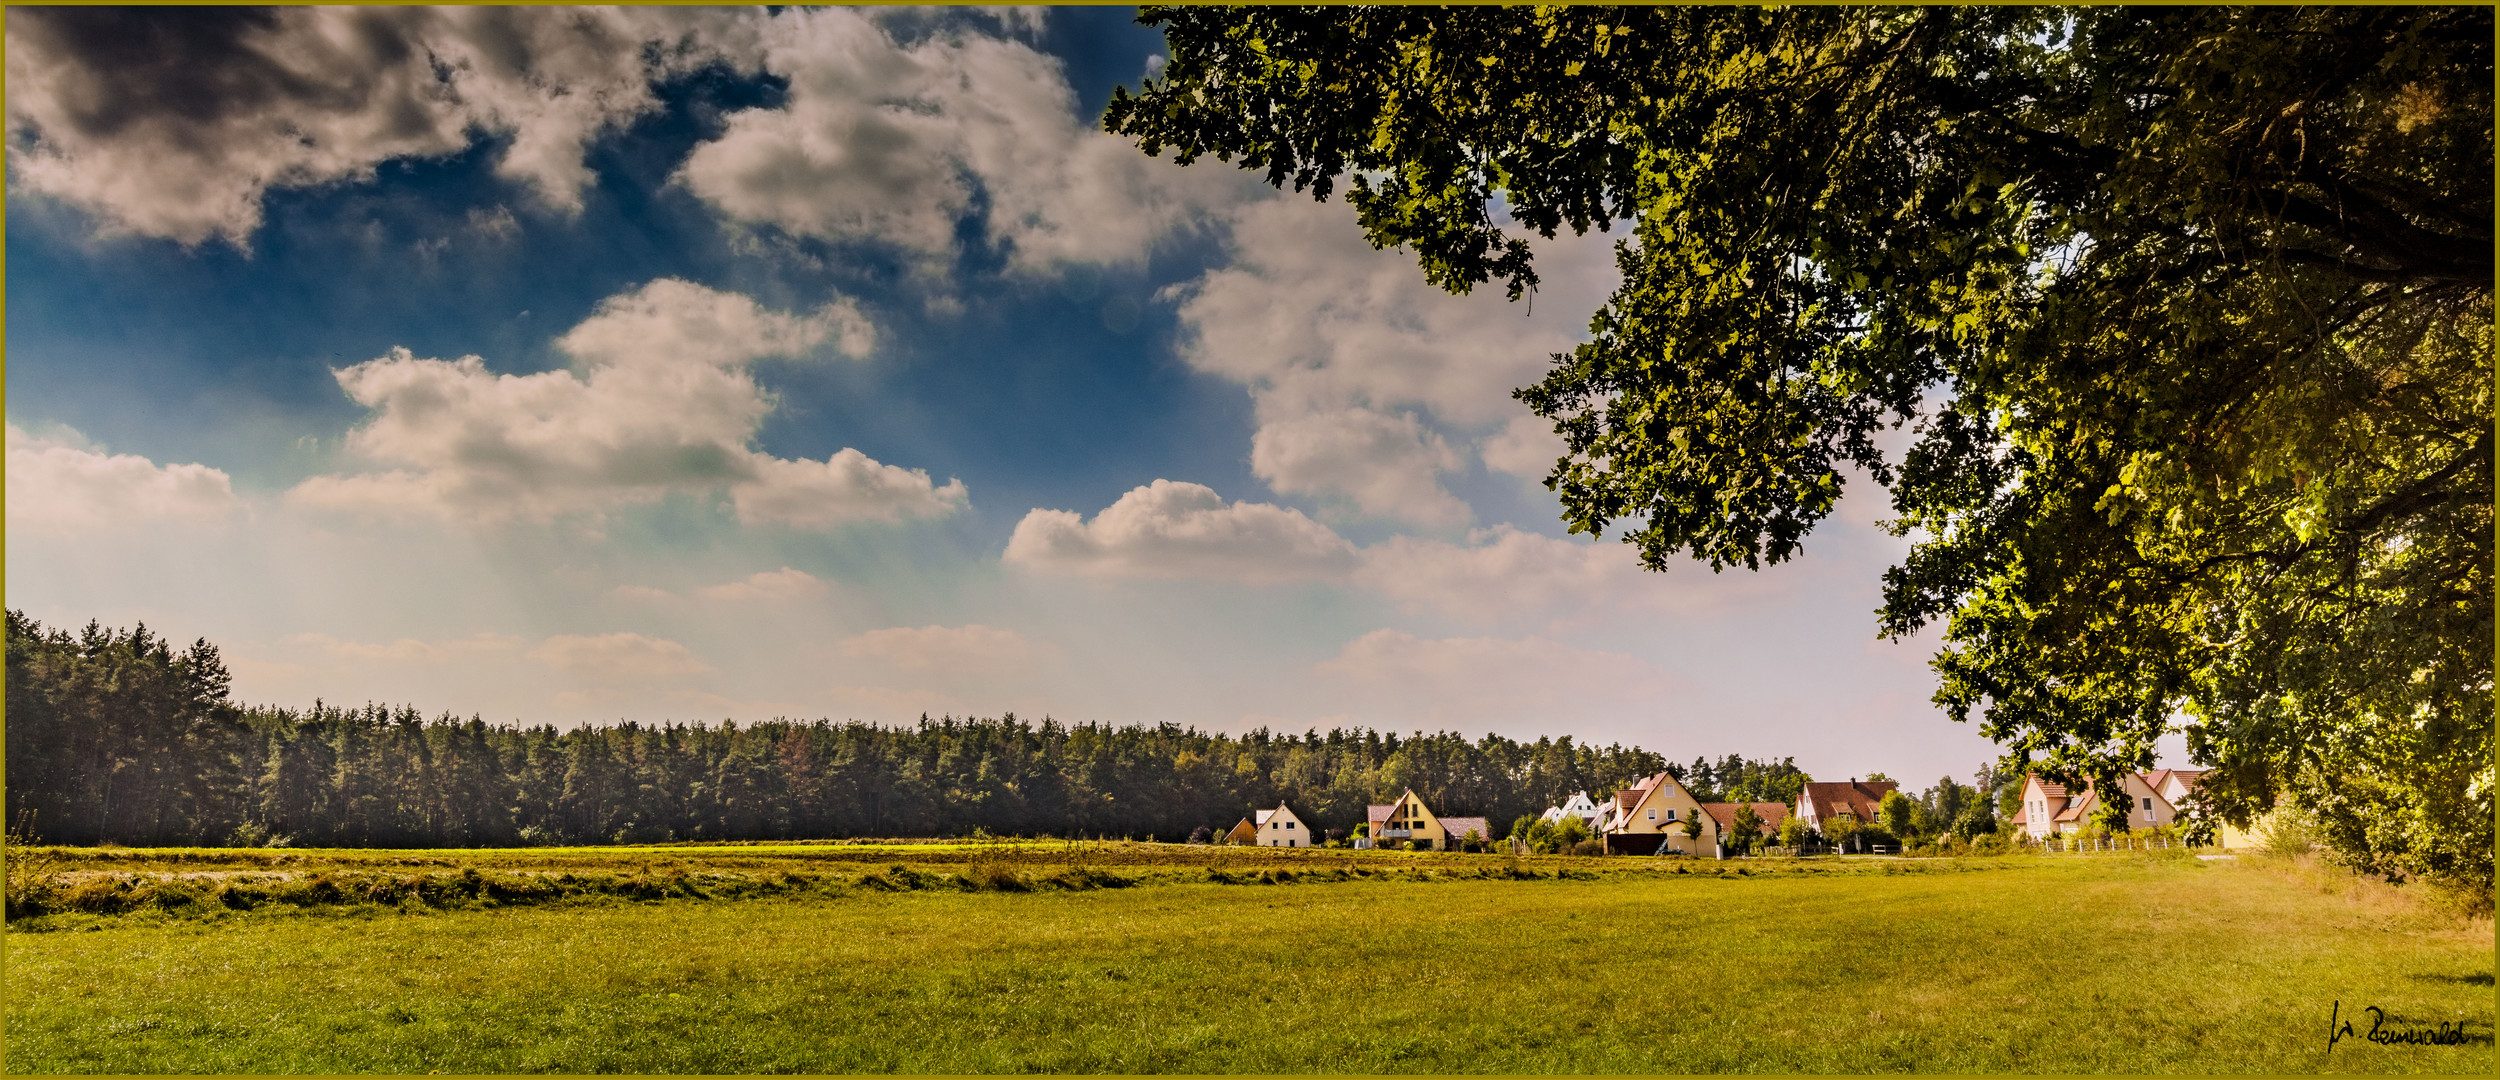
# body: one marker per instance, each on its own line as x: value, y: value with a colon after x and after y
x: 2064, y: 965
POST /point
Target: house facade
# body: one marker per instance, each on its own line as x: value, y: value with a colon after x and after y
x: 1409, y: 820
x: 1579, y: 805
x: 2154, y: 800
x: 1863, y: 800
x: 1649, y: 818
x: 1280, y: 828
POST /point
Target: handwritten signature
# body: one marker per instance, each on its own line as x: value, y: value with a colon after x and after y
x: 2446, y: 1034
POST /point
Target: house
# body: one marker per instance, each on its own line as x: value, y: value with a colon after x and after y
x: 1818, y: 803
x: 1579, y: 806
x: 1648, y: 818
x: 1280, y: 828
x: 2154, y: 799
x: 1409, y: 820
x: 1723, y: 816
x: 1245, y: 833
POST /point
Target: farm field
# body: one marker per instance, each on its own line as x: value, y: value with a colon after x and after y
x: 1140, y: 958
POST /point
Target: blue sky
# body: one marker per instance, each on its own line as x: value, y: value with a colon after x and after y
x: 825, y: 363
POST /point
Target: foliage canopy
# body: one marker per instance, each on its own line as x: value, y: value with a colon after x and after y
x: 2187, y: 311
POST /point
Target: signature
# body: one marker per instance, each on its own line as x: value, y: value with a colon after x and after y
x: 2446, y: 1034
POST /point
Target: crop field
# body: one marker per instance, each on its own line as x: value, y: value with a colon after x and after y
x: 1144, y: 957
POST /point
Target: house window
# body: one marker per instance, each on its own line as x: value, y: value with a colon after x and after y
x: 1289, y: 824
x: 1653, y: 815
x: 2148, y: 806
x: 1671, y: 813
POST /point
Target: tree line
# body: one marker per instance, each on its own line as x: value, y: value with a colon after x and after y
x: 118, y: 735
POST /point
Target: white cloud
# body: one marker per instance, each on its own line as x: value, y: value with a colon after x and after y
x: 1526, y: 446
x: 177, y: 127
x: 659, y: 401
x: 1176, y: 529
x: 1389, y: 465
x: 1506, y: 683
x: 1351, y: 357
x: 63, y: 485
x: 618, y: 656
x: 671, y: 322
x: 413, y: 651
x: 782, y: 584
x: 846, y: 487
x: 885, y: 141
x: 956, y: 649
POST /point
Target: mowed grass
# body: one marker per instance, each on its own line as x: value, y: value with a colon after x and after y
x: 2115, y: 964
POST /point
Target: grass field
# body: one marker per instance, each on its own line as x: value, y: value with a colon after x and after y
x: 1029, y: 957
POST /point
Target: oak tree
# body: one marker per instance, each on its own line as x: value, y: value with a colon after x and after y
x: 2186, y: 313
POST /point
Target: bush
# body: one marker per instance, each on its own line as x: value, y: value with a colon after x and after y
x: 1589, y: 847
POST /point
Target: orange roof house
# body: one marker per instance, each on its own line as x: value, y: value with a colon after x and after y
x: 1859, y: 799
x: 1724, y: 813
x: 1648, y: 818
x: 2154, y: 799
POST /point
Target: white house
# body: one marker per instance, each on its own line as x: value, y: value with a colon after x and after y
x: 1280, y: 828
x: 2153, y: 799
x: 1579, y: 806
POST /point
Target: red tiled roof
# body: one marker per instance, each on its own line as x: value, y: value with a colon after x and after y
x: 1457, y: 827
x: 1379, y: 812
x: 1771, y: 814
x: 1861, y: 798
x: 2048, y: 788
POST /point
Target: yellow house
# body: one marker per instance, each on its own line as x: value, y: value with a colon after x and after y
x: 1650, y: 817
x: 1393, y: 825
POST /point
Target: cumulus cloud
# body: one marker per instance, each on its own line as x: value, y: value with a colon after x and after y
x: 64, y: 485
x: 882, y: 140
x: 1172, y: 529
x: 1526, y: 446
x: 618, y: 656
x: 1351, y: 358
x: 175, y: 122
x: 660, y: 400
x: 1491, y: 680
x: 782, y: 584
x: 972, y: 648
x: 1388, y: 464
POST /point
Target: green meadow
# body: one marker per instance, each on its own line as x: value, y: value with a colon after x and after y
x: 1144, y: 958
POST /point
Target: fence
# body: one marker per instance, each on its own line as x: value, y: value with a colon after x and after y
x: 2079, y: 845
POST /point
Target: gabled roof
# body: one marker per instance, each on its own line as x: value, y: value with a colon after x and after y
x: 2075, y: 809
x: 1457, y: 827
x: 1862, y: 798
x: 2049, y: 788
x: 1378, y: 812
x: 1724, y: 813
x: 1262, y: 816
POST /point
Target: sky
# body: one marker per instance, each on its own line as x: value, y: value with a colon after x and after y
x: 578, y: 366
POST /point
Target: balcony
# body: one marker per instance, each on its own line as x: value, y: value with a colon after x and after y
x: 1396, y: 834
